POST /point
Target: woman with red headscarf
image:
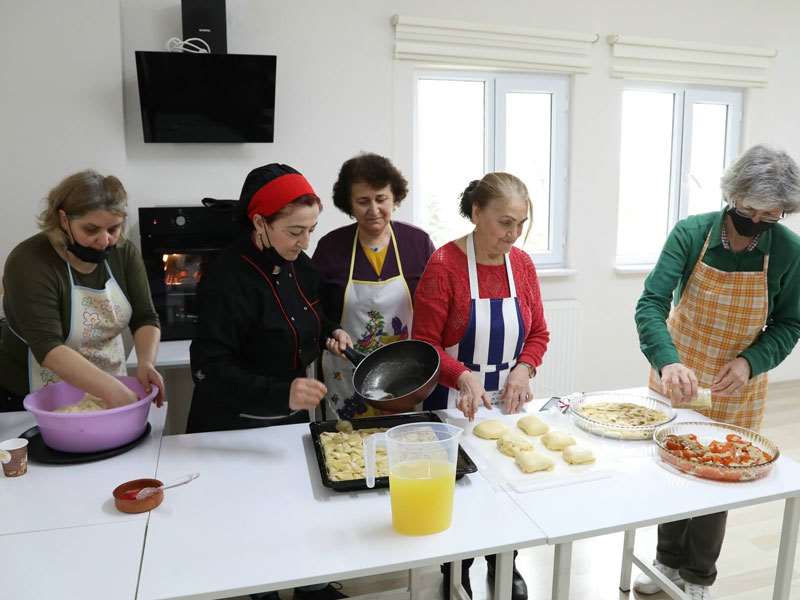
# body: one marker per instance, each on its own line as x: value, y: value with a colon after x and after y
x: 260, y: 321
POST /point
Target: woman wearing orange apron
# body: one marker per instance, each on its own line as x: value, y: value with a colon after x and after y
x: 736, y: 279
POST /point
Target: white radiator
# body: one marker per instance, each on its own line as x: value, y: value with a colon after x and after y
x: 558, y: 373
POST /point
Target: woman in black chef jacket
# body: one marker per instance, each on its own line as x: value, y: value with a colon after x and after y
x: 260, y: 322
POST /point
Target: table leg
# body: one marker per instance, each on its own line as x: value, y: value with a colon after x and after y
x: 503, y: 570
x: 414, y: 584
x: 627, y: 560
x: 455, y: 580
x: 562, y: 565
x: 786, y: 552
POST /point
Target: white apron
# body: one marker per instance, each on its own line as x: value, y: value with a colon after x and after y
x: 97, y: 320
x: 492, y: 341
x: 374, y: 313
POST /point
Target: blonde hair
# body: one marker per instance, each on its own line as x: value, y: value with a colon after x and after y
x: 80, y: 194
x: 495, y: 186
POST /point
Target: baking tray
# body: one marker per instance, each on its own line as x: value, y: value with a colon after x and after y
x: 463, y: 466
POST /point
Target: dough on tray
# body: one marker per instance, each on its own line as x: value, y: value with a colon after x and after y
x: 533, y: 425
x: 491, y: 429
x: 512, y: 442
x: 557, y: 440
x: 530, y: 461
x: 578, y: 455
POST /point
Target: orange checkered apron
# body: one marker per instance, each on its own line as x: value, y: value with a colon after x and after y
x: 719, y: 315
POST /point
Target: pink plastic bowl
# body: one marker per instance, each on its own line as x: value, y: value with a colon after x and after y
x: 89, y: 431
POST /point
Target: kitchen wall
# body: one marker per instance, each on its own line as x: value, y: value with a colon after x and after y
x: 69, y: 101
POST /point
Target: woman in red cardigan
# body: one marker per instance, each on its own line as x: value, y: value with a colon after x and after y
x: 479, y: 304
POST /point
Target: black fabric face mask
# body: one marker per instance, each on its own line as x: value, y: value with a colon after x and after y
x: 747, y: 227
x: 270, y: 253
x: 87, y: 254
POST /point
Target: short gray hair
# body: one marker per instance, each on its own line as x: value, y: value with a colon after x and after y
x: 765, y: 178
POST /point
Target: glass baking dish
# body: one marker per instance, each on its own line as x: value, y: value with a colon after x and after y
x: 706, y: 432
x: 615, y: 431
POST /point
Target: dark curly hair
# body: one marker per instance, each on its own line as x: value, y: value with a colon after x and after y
x: 374, y: 170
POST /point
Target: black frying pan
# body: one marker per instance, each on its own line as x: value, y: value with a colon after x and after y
x: 395, y: 377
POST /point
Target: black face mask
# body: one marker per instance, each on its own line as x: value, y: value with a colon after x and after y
x: 85, y: 253
x: 270, y: 253
x: 747, y: 227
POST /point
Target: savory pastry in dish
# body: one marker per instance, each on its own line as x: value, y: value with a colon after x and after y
x: 557, y: 440
x: 578, y: 455
x: 530, y: 461
x: 626, y: 414
x: 532, y: 425
x: 491, y: 429
x: 512, y: 442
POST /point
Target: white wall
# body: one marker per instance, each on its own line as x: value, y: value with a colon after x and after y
x: 338, y: 92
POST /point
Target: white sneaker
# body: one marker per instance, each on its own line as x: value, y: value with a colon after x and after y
x: 645, y: 584
x: 698, y: 592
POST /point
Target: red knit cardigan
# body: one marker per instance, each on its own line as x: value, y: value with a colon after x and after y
x: 441, y: 304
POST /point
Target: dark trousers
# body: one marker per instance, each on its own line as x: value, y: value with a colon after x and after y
x: 491, y: 560
x: 692, y: 546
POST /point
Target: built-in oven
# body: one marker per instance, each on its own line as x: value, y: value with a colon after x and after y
x: 178, y: 245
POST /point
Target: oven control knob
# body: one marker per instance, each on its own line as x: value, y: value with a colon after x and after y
x: 180, y: 220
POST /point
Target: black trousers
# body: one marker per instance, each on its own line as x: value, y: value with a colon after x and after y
x: 466, y: 563
x: 692, y: 546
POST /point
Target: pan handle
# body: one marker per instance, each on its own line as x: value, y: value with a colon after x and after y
x: 353, y: 356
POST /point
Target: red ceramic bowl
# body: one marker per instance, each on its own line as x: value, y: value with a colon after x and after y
x: 129, y: 505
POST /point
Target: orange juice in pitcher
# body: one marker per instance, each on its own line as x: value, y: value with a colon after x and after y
x: 422, y: 474
x: 422, y: 496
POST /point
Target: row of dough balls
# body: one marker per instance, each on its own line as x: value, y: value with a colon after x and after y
x: 492, y: 429
x: 512, y: 443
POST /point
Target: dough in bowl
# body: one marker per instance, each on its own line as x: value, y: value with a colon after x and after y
x: 530, y: 461
x: 578, y: 455
x: 533, y: 425
x: 512, y: 442
x: 557, y: 440
x: 491, y: 429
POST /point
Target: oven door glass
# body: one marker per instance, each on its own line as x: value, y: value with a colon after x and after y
x: 174, y: 278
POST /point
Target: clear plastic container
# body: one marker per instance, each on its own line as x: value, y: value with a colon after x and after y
x: 422, y: 474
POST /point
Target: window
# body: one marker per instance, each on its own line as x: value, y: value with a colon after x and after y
x: 470, y: 124
x: 675, y: 145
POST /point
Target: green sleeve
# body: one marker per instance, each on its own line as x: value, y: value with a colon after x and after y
x: 34, y: 300
x: 783, y: 326
x: 653, y: 306
x: 138, y: 289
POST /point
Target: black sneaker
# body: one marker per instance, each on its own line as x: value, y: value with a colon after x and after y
x: 329, y: 592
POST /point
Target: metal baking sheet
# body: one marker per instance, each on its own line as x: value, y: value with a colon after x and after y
x: 463, y: 466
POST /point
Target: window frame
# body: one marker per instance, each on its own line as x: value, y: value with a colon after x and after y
x: 684, y: 97
x: 496, y: 85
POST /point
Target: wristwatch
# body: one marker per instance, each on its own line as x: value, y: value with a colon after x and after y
x: 531, y: 369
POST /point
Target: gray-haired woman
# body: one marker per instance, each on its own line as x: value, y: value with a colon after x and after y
x: 735, y: 279
x: 70, y: 291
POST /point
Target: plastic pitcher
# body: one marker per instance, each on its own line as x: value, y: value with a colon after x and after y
x: 422, y: 474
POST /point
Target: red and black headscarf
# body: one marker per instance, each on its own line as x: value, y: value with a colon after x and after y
x: 268, y: 189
